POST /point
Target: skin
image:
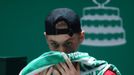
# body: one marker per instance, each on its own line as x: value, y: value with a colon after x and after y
x: 62, y: 40
x: 58, y: 43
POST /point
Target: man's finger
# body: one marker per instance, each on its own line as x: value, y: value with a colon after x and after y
x: 68, y: 61
x: 49, y: 71
x: 64, y: 66
x: 78, y: 68
x: 60, y: 68
x: 55, y: 72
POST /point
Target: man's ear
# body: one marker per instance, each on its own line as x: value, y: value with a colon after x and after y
x: 45, y: 33
x: 82, y: 36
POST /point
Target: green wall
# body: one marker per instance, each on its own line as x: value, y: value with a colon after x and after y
x: 22, y: 27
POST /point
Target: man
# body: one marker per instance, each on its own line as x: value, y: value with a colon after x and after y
x: 63, y: 33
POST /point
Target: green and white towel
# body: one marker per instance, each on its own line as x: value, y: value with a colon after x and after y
x: 88, y: 64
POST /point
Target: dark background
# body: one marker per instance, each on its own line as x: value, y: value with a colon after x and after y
x: 22, y: 27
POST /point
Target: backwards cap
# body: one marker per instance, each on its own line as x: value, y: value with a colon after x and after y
x: 59, y: 17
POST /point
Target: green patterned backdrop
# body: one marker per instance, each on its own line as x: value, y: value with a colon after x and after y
x: 22, y: 27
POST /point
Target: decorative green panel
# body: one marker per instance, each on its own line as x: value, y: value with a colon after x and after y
x: 22, y: 27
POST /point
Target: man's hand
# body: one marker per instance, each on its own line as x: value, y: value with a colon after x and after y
x: 67, y: 68
x: 46, y: 72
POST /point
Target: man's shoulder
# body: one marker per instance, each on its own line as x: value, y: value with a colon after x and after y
x: 92, y: 66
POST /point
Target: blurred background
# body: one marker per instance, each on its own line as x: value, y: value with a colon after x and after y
x: 22, y: 27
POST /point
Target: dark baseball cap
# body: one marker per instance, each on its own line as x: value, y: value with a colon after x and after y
x: 67, y: 20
